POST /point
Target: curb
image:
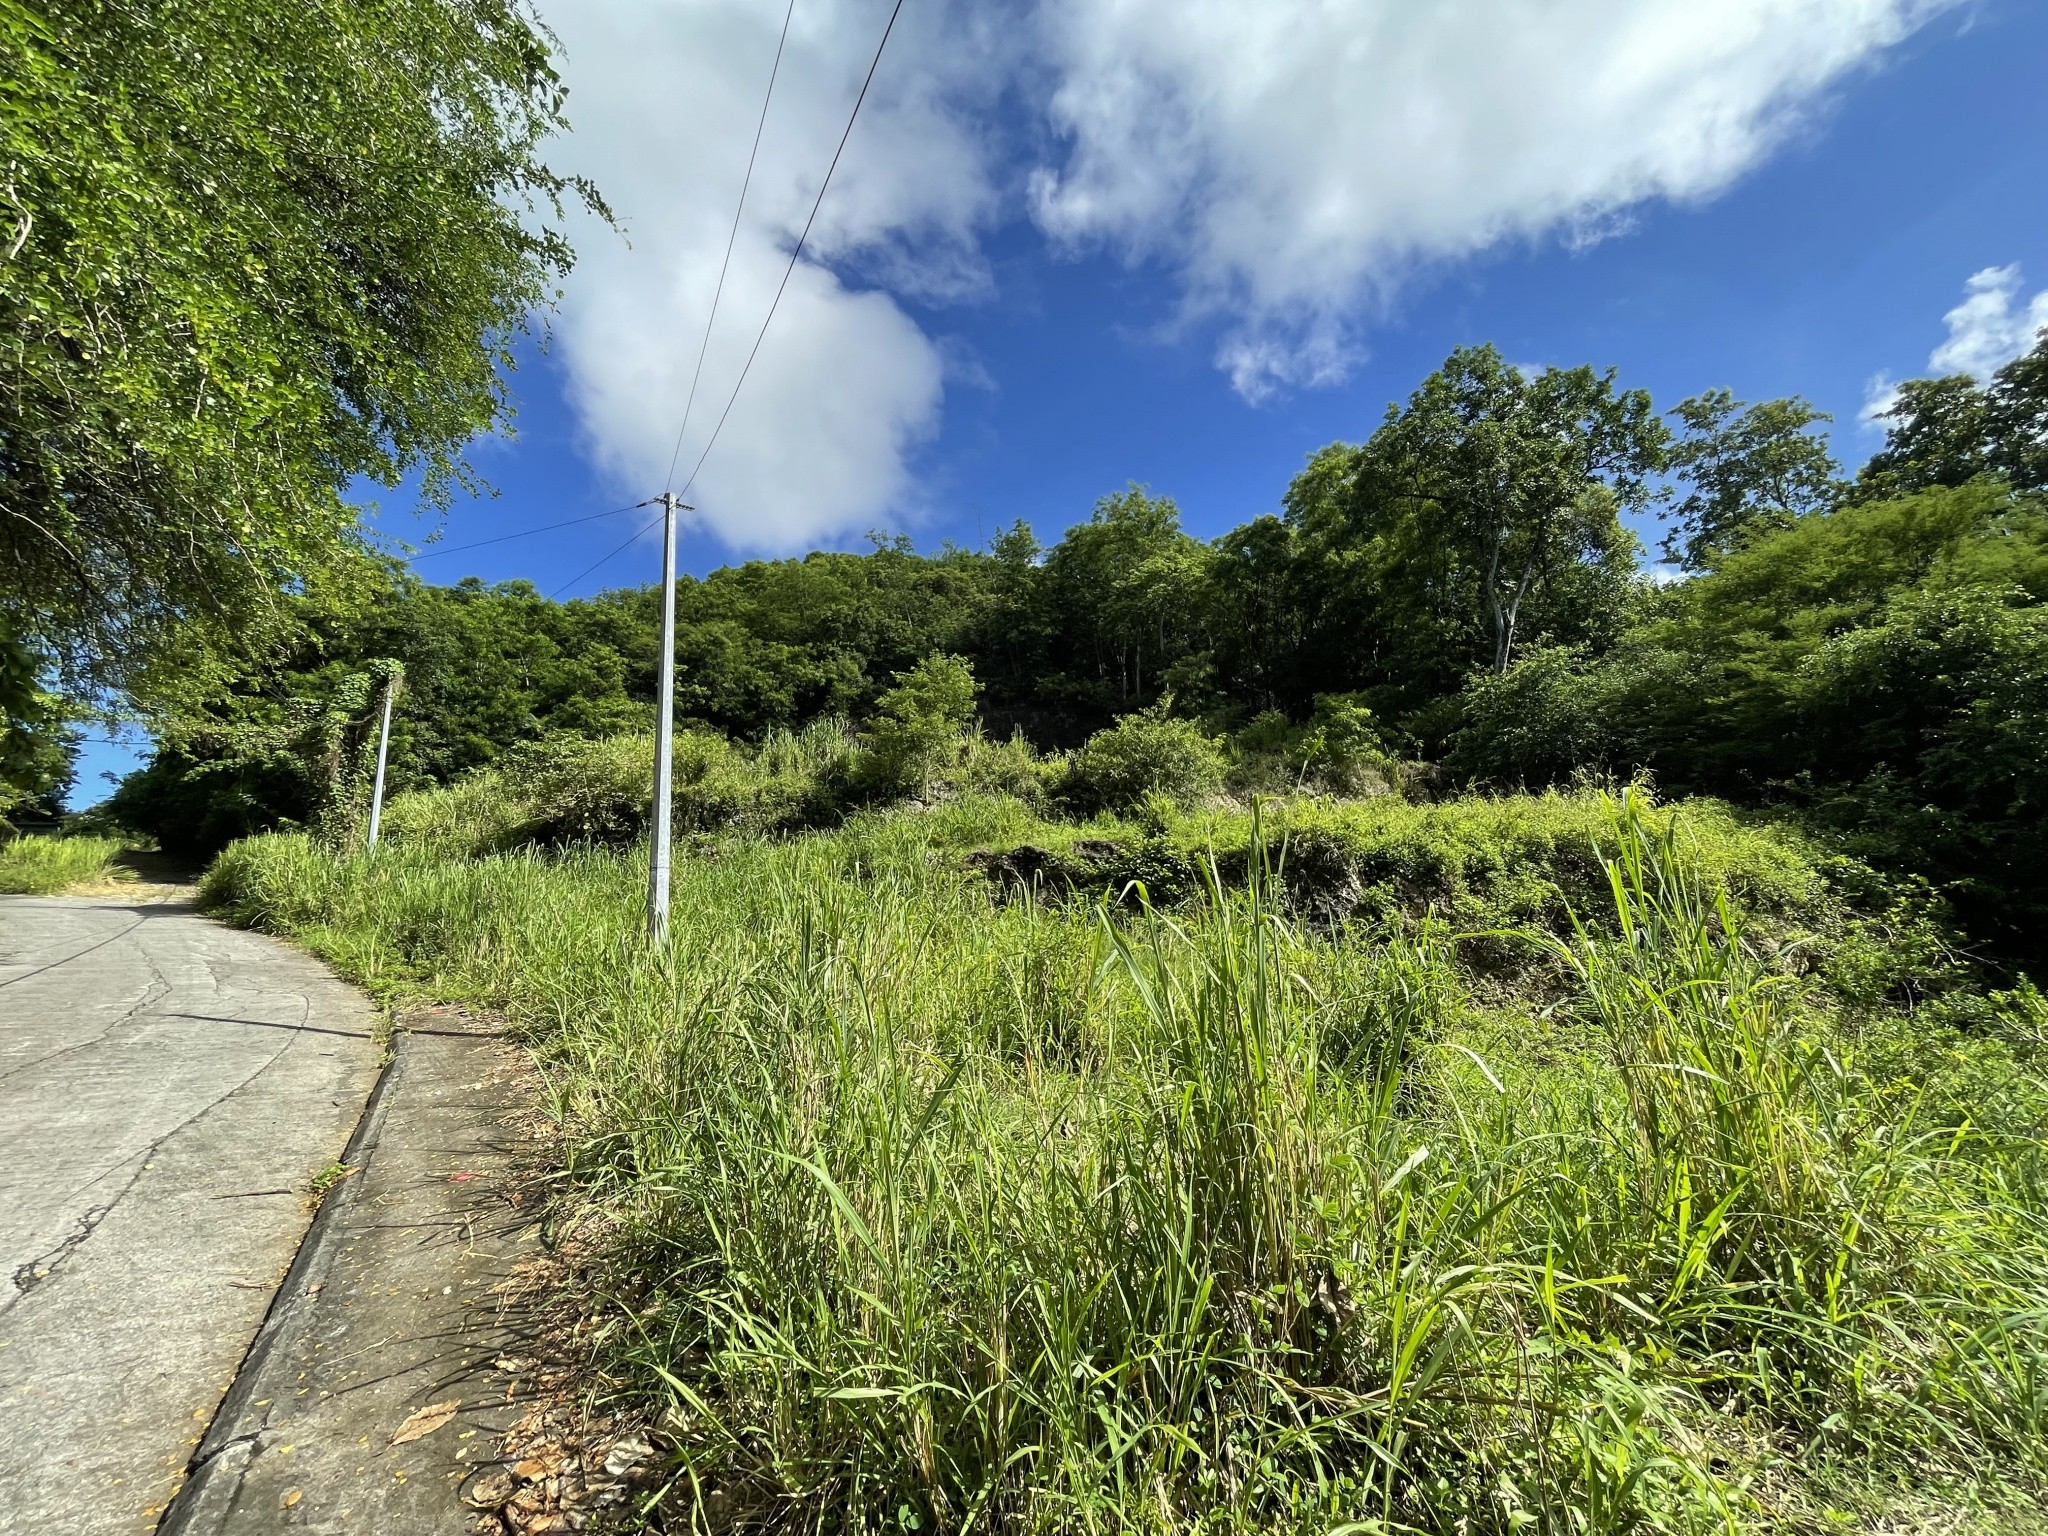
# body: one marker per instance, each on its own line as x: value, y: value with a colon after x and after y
x: 203, y: 1504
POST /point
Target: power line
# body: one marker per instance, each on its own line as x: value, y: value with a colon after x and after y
x: 873, y: 65
x: 457, y: 549
x: 730, y: 240
x: 644, y: 528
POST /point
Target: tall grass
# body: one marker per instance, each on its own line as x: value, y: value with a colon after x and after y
x: 942, y: 1214
x: 40, y: 866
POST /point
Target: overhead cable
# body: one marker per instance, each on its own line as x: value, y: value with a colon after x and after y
x: 638, y: 533
x: 798, y: 251
x: 456, y: 549
x: 719, y: 292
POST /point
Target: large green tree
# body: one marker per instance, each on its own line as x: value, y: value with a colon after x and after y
x: 1518, y: 477
x: 1743, y: 470
x: 1482, y: 517
x: 1126, y: 591
x: 1948, y: 431
x: 251, y: 251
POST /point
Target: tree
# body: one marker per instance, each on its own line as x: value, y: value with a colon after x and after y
x: 1520, y: 479
x: 1948, y: 431
x: 1749, y: 469
x: 1925, y: 739
x: 36, y: 742
x: 486, y: 669
x: 1124, y: 587
x: 253, y: 251
x: 919, y: 725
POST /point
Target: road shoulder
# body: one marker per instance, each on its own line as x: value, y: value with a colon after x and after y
x: 371, y: 1394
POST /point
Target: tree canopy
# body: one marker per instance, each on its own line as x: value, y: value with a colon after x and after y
x: 254, y: 251
x: 1460, y: 586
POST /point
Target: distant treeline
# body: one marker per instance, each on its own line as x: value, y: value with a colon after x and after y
x: 1870, y: 652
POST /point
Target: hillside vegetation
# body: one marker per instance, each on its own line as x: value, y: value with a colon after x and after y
x: 1391, y: 1020
x: 1460, y: 591
x: 1556, y: 1162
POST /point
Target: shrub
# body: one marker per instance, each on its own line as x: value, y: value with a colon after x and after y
x: 1004, y: 768
x: 570, y: 789
x: 1147, y: 753
x: 1546, y: 718
x: 575, y: 790
x: 1339, y: 751
x: 919, y: 729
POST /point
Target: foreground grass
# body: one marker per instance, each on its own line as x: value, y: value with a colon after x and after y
x: 945, y: 1214
x: 40, y: 866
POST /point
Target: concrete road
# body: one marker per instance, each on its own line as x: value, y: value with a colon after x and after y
x: 167, y: 1088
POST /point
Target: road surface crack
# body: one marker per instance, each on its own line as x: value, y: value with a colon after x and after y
x: 39, y: 1270
x: 36, y: 1271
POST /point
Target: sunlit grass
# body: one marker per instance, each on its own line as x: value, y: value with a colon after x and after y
x: 943, y: 1214
x: 40, y: 866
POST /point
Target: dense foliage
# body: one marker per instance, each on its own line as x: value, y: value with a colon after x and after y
x: 1587, y: 1175
x: 250, y: 251
x: 1461, y: 588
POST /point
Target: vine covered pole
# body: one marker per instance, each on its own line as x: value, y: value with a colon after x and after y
x: 383, y: 749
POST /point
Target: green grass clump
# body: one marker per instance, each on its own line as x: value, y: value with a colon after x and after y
x: 40, y: 866
x: 944, y: 1213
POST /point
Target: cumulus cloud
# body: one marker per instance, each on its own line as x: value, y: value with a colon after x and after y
x: 1879, y: 396
x: 665, y: 97
x: 1985, y: 332
x: 1294, y: 160
x: 1989, y: 329
x: 1284, y: 167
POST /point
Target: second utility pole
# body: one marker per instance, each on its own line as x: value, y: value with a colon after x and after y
x: 664, y: 726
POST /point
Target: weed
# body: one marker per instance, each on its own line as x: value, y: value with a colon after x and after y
x: 41, y: 866
x: 944, y: 1212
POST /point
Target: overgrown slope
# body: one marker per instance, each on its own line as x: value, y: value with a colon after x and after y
x: 952, y: 1202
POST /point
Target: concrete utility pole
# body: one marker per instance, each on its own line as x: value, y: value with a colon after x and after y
x: 383, y: 748
x: 664, y: 724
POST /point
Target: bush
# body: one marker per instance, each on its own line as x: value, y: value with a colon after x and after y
x: 569, y: 790
x: 1143, y: 754
x: 1338, y: 751
x: 1004, y: 768
x: 919, y: 729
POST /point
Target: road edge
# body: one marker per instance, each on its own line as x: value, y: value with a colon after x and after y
x: 212, y: 1477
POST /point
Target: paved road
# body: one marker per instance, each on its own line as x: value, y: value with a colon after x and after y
x: 166, y: 1087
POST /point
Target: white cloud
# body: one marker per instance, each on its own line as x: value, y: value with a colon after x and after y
x: 1294, y: 160
x: 664, y: 98
x: 1879, y: 396
x: 1285, y: 166
x: 1986, y: 331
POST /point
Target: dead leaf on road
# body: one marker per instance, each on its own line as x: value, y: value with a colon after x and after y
x: 293, y: 1497
x: 426, y: 1421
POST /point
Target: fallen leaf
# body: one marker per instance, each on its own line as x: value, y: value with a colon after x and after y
x: 460, y: 1178
x: 426, y: 1421
x: 490, y: 1490
x: 293, y: 1497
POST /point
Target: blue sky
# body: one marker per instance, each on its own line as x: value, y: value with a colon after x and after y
x: 1032, y: 346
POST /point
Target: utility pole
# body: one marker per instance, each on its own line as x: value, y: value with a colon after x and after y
x: 383, y: 748
x: 664, y: 724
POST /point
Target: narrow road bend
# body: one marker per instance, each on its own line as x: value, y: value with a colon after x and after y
x: 167, y: 1089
